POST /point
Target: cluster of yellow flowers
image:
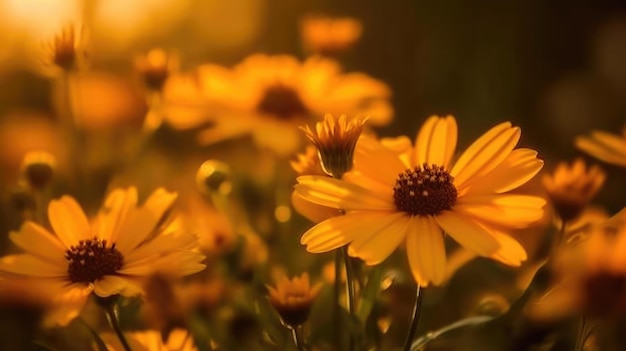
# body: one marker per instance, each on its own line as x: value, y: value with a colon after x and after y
x: 198, y: 257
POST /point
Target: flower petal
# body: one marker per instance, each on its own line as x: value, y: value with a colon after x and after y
x: 311, y: 211
x: 30, y: 265
x: 426, y: 251
x: 515, y: 211
x: 144, y: 220
x: 486, y: 153
x: 436, y: 141
x: 516, y: 170
x: 468, y: 233
x: 374, y: 246
x: 68, y: 221
x: 510, y: 252
x: 115, y: 212
x: 342, y: 195
x: 36, y: 240
x: 110, y: 285
x: 377, y: 162
x: 339, y: 231
x: 601, y: 151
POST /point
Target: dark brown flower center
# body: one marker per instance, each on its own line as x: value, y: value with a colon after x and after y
x: 282, y: 102
x: 91, y: 260
x: 425, y: 191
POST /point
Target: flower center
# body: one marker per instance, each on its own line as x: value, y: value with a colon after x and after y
x: 425, y: 191
x: 283, y: 102
x: 91, y: 260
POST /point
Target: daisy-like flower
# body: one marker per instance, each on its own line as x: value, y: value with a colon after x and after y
x: 328, y: 35
x: 151, y: 340
x: 293, y: 298
x: 110, y: 256
x: 605, y: 146
x: 571, y: 188
x: 265, y: 96
x: 390, y: 198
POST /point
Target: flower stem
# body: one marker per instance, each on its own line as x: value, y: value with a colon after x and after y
x: 111, y: 313
x: 349, y: 290
x: 417, y: 310
x: 336, y: 296
x: 297, y: 338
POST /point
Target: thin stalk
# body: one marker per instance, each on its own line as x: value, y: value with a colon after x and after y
x: 336, y: 296
x: 349, y: 291
x: 111, y: 313
x: 417, y: 311
x: 297, y: 338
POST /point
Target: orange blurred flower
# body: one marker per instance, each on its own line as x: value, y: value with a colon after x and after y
x: 328, y: 35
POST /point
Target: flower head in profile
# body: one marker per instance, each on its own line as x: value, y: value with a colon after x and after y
x: 335, y: 140
x: 328, y: 35
x: 570, y: 188
x: 151, y: 340
x: 605, y: 146
x: 65, y: 49
x: 155, y: 67
x: 293, y: 298
x: 111, y: 255
x: 38, y: 169
x: 265, y: 96
x: 413, y: 196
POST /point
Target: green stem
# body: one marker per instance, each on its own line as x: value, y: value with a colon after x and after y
x: 349, y: 290
x: 297, y: 338
x: 417, y: 310
x: 111, y: 313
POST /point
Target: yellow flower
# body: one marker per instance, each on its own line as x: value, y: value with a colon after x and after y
x: 591, y: 276
x: 292, y: 298
x: 604, y: 146
x: 389, y: 201
x: 328, y: 35
x: 150, y: 340
x: 265, y: 96
x: 335, y: 140
x: 571, y: 188
x: 112, y: 255
x: 155, y: 67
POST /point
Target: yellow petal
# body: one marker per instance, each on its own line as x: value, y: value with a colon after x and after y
x: 109, y: 285
x: 339, y: 231
x: 377, y: 162
x: 436, y: 141
x: 485, y: 153
x: 313, y: 212
x: 115, y: 213
x: 509, y: 210
x: 38, y: 241
x: 601, y: 152
x: 68, y: 221
x: 374, y: 246
x: 339, y: 194
x: 425, y: 251
x: 30, y: 265
x: 510, y: 252
x: 516, y: 170
x: 468, y: 233
x: 143, y: 221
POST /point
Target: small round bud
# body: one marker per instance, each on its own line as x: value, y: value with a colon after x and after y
x: 38, y: 169
x: 214, y: 177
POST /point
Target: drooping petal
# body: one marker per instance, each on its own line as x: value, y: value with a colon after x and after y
x: 36, y: 240
x: 30, y: 265
x: 339, y: 194
x: 68, y: 221
x: 468, y: 233
x: 510, y: 252
x: 339, y: 231
x: 425, y: 251
x: 601, y: 152
x: 436, y: 141
x: 374, y: 247
x: 109, y: 285
x: 486, y: 153
x: 516, y: 170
